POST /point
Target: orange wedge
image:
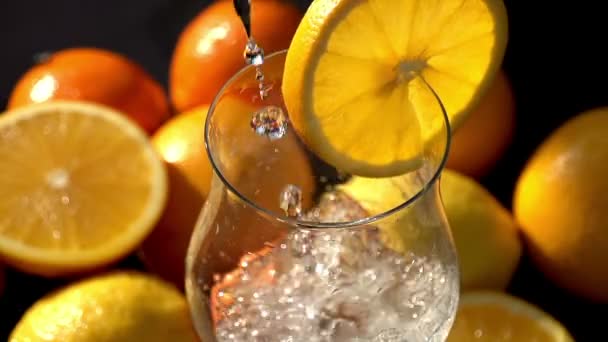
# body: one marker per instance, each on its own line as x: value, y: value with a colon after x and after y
x: 81, y: 186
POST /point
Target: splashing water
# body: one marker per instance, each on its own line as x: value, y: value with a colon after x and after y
x: 335, y: 286
x: 291, y: 200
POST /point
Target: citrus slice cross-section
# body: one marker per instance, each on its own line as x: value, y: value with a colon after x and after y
x: 81, y: 186
x: 495, y: 316
x: 357, y: 76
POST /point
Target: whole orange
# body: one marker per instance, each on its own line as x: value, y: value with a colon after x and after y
x: 95, y: 75
x: 561, y: 203
x: 485, y: 135
x: 181, y: 144
x: 210, y: 49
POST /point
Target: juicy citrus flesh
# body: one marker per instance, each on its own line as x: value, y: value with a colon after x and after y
x: 494, y: 316
x: 119, y: 306
x: 81, y: 185
x: 356, y: 76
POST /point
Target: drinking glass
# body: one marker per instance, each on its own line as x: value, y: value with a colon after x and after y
x: 282, y: 252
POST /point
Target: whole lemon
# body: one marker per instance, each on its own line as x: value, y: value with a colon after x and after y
x: 561, y: 203
x: 485, y: 233
x: 119, y: 306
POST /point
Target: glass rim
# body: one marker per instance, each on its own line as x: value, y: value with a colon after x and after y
x: 310, y: 224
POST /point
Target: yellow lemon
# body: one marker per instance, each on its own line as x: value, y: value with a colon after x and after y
x: 81, y: 184
x: 401, y: 231
x: 119, y: 306
x: 485, y: 233
x: 356, y: 75
x: 561, y: 203
x: 488, y: 316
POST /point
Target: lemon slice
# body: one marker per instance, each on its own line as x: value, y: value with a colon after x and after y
x: 494, y: 316
x: 80, y: 187
x: 356, y: 75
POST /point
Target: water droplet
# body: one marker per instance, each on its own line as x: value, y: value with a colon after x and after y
x: 253, y: 54
x: 264, y: 90
x: 291, y: 200
x: 270, y: 122
x: 259, y: 75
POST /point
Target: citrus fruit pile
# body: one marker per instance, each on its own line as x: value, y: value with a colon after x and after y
x: 100, y: 162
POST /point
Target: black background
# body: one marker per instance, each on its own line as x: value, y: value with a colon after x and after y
x: 556, y: 60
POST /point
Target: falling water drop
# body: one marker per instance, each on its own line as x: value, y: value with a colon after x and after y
x: 291, y: 200
x: 270, y: 122
x: 254, y: 54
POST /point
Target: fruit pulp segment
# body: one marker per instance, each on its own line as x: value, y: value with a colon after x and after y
x: 454, y: 41
x: 70, y: 181
x: 494, y: 322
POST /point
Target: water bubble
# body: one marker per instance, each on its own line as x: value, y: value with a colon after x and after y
x: 270, y: 121
x: 254, y: 54
x: 291, y: 200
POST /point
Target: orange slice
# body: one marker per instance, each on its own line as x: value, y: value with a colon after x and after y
x: 487, y: 316
x: 356, y: 74
x: 81, y: 186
